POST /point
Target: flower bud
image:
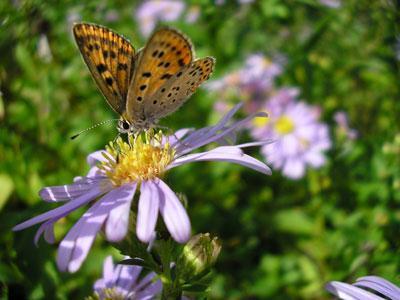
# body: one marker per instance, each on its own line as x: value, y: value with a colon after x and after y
x: 199, y: 254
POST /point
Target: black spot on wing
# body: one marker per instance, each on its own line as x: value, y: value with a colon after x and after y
x: 101, y: 68
x: 109, y: 81
x: 166, y: 76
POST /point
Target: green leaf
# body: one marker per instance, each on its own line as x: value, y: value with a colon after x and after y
x: 7, y: 187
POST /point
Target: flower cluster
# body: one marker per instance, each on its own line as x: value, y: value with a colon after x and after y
x: 124, y: 169
x: 250, y: 84
x: 300, y: 139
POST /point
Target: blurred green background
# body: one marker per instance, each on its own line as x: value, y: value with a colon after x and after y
x: 282, y: 239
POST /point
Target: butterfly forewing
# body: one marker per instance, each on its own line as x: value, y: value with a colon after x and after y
x: 179, y: 88
x: 167, y: 53
x: 110, y: 59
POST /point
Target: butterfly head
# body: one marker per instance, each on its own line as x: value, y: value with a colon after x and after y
x: 124, y: 126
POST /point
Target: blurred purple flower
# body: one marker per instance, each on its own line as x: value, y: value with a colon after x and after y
x: 192, y: 14
x: 122, y: 282
x: 344, y: 129
x: 259, y: 73
x: 221, y: 2
x: 365, y: 288
x: 331, y: 3
x: 123, y: 168
x: 251, y: 83
x: 299, y: 139
x: 152, y: 11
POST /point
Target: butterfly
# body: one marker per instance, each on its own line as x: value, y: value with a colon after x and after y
x: 142, y: 86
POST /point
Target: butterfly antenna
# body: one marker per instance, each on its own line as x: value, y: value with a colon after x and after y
x: 92, y: 127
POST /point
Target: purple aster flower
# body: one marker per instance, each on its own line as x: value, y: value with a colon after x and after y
x: 251, y: 83
x: 343, y: 127
x: 300, y: 138
x: 122, y: 282
x: 365, y: 288
x: 123, y: 169
x: 152, y: 11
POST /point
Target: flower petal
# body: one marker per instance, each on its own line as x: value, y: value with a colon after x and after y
x: 206, y: 132
x: 97, y: 190
x: 108, y: 269
x: 118, y: 218
x: 294, y: 168
x: 149, y: 202
x: 96, y: 157
x: 146, y: 290
x: 224, y: 153
x: 67, y: 191
x: 76, y: 245
x: 348, y: 292
x: 177, y: 136
x: 126, y: 277
x: 380, y: 285
x: 48, y: 229
x: 173, y: 213
x: 195, y: 142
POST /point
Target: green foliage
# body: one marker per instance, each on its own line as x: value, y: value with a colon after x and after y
x: 281, y: 239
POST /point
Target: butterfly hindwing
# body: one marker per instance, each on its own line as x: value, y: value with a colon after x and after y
x: 110, y: 59
x: 174, y: 93
x: 167, y: 52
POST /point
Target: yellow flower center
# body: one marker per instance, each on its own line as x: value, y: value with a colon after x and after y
x: 142, y: 158
x: 110, y: 294
x: 284, y: 125
x: 260, y: 121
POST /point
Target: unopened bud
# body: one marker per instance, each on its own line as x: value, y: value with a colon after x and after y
x: 199, y: 254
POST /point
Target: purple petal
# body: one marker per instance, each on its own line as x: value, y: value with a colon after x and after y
x: 380, y: 285
x: 206, y: 132
x: 48, y: 229
x: 224, y: 153
x: 145, y: 281
x: 174, y: 214
x: 95, y: 172
x: 348, y: 292
x: 294, y: 168
x: 97, y: 190
x: 108, y: 269
x: 118, y: 218
x: 126, y: 277
x: 96, y: 157
x: 99, y: 285
x: 177, y: 136
x: 76, y: 245
x: 148, y: 291
x: 68, y: 191
x: 209, y: 138
x: 147, y: 211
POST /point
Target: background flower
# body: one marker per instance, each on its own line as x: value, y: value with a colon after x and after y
x: 122, y: 282
x: 299, y: 138
x: 152, y: 11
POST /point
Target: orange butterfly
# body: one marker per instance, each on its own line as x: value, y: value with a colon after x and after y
x: 145, y: 86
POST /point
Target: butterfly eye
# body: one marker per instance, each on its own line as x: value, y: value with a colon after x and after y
x: 125, y: 125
